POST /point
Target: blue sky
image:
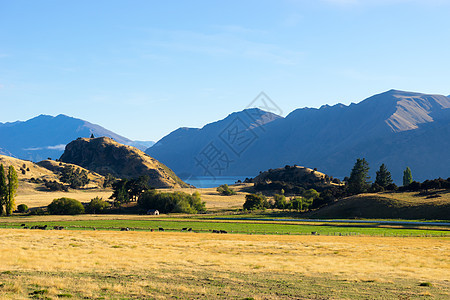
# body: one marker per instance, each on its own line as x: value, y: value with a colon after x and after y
x: 145, y: 68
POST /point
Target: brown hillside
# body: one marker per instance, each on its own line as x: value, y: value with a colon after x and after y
x: 95, y: 179
x: 27, y: 169
x: 47, y: 169
x: 388, y: 206
x: 105, y: 156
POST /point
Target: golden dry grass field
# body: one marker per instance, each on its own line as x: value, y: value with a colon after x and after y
x: 117, y: 265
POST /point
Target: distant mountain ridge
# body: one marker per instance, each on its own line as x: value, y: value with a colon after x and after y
x: 397, y: 128
x: 194, y: 150
x: 46, y: 136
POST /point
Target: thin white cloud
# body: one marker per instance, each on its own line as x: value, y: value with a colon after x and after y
x: 56, y: 147
x: 231, y: 41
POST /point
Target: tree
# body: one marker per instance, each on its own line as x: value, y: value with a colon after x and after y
x: 137, y: 186
x: 92, y: 136
x: 96, y: 206
x: 65, y: 206
x: 22, y: 208
x: 300, y: 203
x: 255, y: 201
x: 74, y: 177
x: 3, y: 189
x: 120, y: 194
x: 311, y: 194
x: 383, y: 177
x: 225, y: 190
x: 176, y: 202
x: 359, y: 177
x: 279, y: 201
x: 13, y: 183
x: 407, y: 177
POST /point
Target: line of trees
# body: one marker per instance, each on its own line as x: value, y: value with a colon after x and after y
x: 359, y: 180
x: 128, y: 190
x: 8, y: 188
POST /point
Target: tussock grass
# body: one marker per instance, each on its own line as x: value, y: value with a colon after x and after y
x: 167, y: 264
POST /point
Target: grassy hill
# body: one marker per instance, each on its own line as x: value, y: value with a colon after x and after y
x: 389, y: 206
x: 106, y: 156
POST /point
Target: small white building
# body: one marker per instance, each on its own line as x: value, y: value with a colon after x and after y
x: 153, y: 212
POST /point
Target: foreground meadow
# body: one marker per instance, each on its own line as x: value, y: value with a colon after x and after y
x: 112, y: 264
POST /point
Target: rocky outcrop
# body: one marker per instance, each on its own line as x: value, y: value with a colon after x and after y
x: 105, y: 156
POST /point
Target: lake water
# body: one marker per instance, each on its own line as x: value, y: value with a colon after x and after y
x: 209, y: 182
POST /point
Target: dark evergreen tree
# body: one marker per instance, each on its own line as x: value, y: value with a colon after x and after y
x: 359, y: 177
x: 120, y: 194
x: 383, y: 178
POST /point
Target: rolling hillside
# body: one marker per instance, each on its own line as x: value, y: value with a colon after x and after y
x: 388, y: 206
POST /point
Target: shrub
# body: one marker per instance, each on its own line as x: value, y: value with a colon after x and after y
x: 176, y: 202
x: 96, y: 206
x: 38, y: 212
x: 279, y: 201
x: 425, y: 284
x: 74, y: 177
x: 65, y: 206
x: 255, y: 201
x: 56, y: 186
x: 300, y: 203
x: 225, y: 190
x: 22, y: 208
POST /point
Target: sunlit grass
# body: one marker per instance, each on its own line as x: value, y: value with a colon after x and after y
x: 188, y: 265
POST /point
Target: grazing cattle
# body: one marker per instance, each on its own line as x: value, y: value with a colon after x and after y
x: 190, y: 229
x: 23, y: 224
x: 25, y: 227
x: 314, y: 233
x: 153, y: 212
x: 223, y: 231
x: 125, y: 229
x: 184, y: 229
x: 161, y: 229
x: 216, y: 231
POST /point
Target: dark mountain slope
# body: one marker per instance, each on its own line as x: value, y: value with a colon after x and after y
x: 213, y: 149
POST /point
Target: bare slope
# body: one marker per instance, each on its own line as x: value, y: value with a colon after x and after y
x: 106, y: 156
x: 27, y: 169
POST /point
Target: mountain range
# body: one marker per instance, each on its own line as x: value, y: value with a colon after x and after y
x: 46, y: 136
x: 397, y: 128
